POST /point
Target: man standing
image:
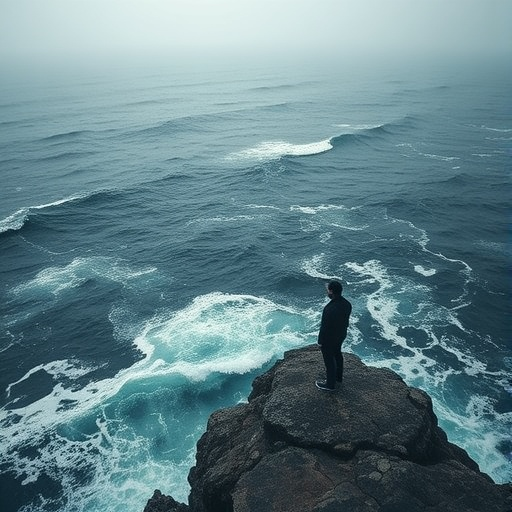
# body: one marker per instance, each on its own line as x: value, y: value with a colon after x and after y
x: 333, y: 330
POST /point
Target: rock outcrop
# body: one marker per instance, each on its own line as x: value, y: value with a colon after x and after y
x: 371, y: 446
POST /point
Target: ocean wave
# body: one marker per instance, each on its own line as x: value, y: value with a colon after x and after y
x: 273, y: 87
x: 360, y: 127
x: 66, y: 136
x: 73, y: 155
x: 294, y: 85
x: 499, y: 130
x: 136, y: 424
x: 433, y: 156
x: 273, y: 150
x: 55, y: 280
x: 16, y: 221
x: 215, y: 333
x: 178, y: 126
x: 406, y: 122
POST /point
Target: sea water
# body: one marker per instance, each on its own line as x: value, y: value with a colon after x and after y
x: 166, y: 232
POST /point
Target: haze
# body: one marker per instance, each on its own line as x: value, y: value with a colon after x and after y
x: 80, y: 28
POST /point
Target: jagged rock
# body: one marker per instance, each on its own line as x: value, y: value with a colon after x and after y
x: 161, y: 503
x: 373, y: 445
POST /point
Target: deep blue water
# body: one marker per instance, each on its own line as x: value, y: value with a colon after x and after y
x: 166, y: 233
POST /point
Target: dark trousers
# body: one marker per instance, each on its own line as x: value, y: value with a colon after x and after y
x: 333, y: 360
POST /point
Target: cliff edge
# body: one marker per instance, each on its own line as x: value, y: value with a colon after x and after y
x: 372, y: 446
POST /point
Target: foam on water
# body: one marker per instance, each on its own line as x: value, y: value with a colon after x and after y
x: 57, y: 369
x: 427, y: 272
x: 330, y: 216
x: 412, y: 333
x: 120, y: 437
x: 273, y: 150
x: 216, y: 334
x: 16, y: 220
x: 359, y: 127
x: 55, y: 280
x: 415, y: 151
x: 478, y: 427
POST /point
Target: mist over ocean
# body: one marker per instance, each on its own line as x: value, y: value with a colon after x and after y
x: 166, y: 233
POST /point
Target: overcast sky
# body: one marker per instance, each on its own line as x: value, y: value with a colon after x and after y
x: 76, y: 27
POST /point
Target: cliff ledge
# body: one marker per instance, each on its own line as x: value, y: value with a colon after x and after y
x: 372, y: 446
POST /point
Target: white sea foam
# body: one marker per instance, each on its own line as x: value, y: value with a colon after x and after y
x: 262, y: 207
x: 108, y: 430
x: 313, y: 268
x: 501, y: 130
x: 330, y: 216
x: 427, y: 272
x: 383, y: 307
x: 358, y: 127
x: 479, y: 429
x: 432, y: 156
x: 498, y: 138
x: 224, y: 327
x: 392, y: 298
x: 439, y: 157
x: 55, y: 280
x: 313, y: 210
x: 272, y: 150
x: 16, y: 220
x: 57, y: 369
x: 232, y: 218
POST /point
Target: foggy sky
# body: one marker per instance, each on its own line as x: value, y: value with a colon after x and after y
x: 73, y: 28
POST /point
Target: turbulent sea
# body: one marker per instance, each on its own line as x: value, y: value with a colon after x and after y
x: 166, y: 233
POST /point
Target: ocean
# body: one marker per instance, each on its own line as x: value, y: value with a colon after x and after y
x: 166, y: 232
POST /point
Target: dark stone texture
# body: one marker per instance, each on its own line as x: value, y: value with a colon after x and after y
x: 372, y: 446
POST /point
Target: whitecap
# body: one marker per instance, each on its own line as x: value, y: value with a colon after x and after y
x: 359, y: 127
x: 216, y: 333
x: 15, y: 221
x: 108, y: 429
x: 55, y: 280
x: 272, y: 150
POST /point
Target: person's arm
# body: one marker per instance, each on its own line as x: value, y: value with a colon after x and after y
x: 326, y: 326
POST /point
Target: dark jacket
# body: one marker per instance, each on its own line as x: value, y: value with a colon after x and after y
x: 334, y: 325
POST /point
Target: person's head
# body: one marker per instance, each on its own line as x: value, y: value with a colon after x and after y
x: 334, y: 289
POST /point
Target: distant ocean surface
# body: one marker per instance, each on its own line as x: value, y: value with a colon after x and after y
x: 166, y: 233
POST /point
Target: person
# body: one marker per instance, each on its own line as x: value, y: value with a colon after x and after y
x: 333, y: 330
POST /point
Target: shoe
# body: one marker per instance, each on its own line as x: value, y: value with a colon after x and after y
x: 321, y: 384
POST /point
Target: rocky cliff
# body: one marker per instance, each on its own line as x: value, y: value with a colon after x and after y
x: 373, y: 445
